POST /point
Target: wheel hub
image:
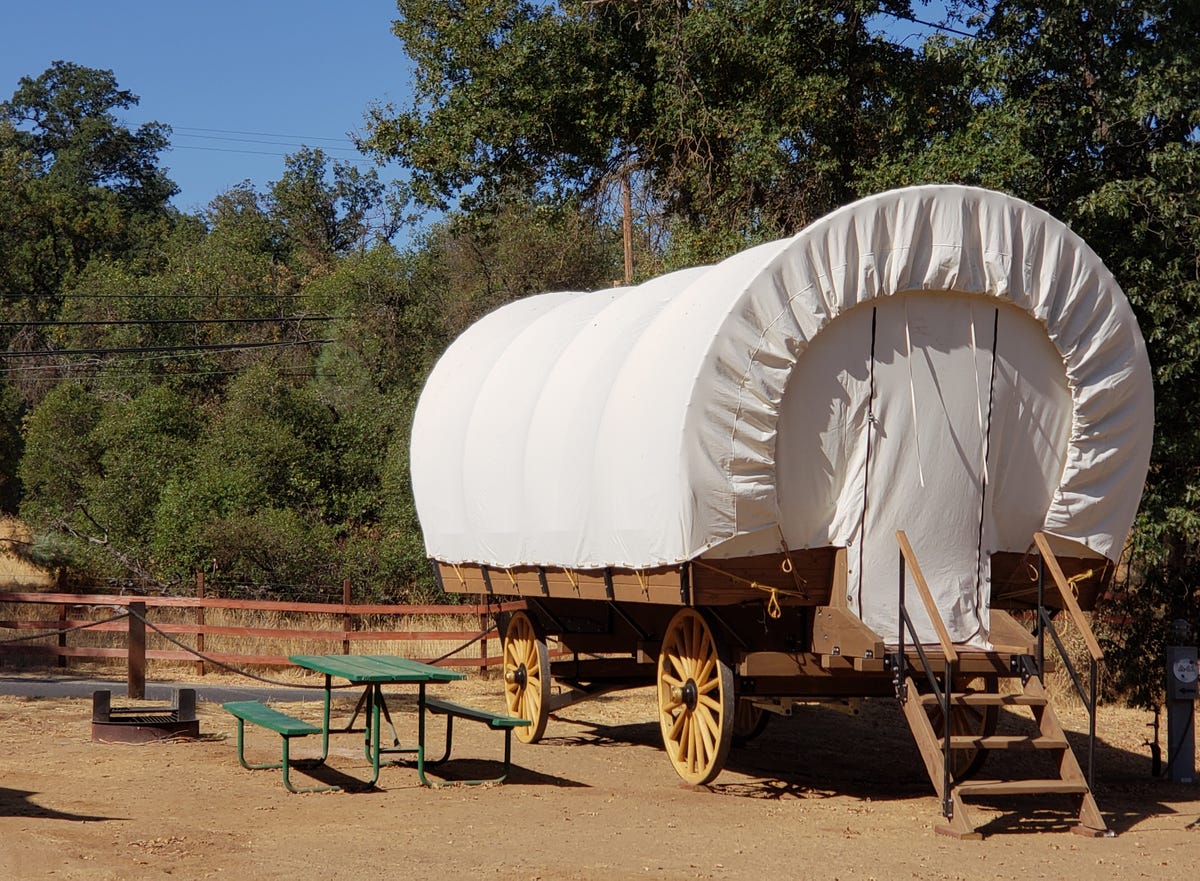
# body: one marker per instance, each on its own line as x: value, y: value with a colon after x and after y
x: 690, y: 695
x: 519, y: 676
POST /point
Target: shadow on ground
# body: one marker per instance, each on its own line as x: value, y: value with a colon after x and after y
x: 19, y: 803
x: 822, y: 752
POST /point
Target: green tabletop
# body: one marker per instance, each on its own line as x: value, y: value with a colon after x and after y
x: 375, y: 668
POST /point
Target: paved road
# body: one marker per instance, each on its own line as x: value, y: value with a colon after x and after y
x: 51, y: 685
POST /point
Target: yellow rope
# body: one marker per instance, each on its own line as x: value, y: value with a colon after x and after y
x: 511, y: 578
x: 1073, y: 581
x: 570, y: 577
x: 641, y: 577
x: 773, y: 607
x: 787, y: 565
x: 458, y: 572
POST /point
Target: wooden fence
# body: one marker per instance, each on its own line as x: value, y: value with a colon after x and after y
x: 92, y: 613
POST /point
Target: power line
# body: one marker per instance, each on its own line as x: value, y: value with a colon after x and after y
x: 226, y: 150
x: 75, y: 296
x: 230, y: 131
x: 212, y: 347
x: 97, y: 365
x: 124, y: 322
x: 363, y: 161
x: 928, y: 24
x: 121, y: 370
x: 260, y: 141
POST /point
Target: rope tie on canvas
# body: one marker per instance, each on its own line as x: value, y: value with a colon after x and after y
x: 787, y: 565
x: 1074, y: 580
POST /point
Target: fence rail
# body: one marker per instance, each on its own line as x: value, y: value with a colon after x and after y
x: 477, y: 620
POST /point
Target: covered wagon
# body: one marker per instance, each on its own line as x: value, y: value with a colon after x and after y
x: 830, y: 466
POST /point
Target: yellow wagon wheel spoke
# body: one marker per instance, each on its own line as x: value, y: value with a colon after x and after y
x: 679, y: 666
x: 527, y: 676
x: 695, y: 698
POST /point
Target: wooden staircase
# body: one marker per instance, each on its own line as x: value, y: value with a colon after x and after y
x: 954, y: 720
x: 921, y: 710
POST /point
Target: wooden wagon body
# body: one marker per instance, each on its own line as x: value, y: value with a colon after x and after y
x: 827, y: 468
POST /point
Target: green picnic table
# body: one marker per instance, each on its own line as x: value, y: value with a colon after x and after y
x: 374, y: 672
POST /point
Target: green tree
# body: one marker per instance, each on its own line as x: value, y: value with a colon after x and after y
x: 75, y: 181
x: 61, y: 457
x: 328, y: 208
x: 731, y: 115
x: 94, y: 469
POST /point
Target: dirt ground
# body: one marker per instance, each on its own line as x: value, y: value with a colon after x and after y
x: 822, y: 795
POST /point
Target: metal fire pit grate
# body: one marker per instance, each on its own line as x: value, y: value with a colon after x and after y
x: 144, y: 724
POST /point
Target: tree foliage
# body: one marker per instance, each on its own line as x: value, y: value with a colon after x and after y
x: 736, y: 115
x: 75, y: 182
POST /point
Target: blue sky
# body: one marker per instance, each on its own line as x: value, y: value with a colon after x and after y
x: 241, y: 83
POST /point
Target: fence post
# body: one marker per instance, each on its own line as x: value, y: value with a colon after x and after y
x: 62, y: 637
x: 200, y: 622
x: 346, y: 622
x: 136, y: 651
x: 483, y: 645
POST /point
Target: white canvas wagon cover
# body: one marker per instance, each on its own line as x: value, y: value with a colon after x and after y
x: 945, y: 360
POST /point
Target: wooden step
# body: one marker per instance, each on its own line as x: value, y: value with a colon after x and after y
x: 987, y: 699
x: 1005, y: 741
x: 1050, y: 786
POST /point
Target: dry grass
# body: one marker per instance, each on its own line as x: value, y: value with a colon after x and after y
x: 16, y: 573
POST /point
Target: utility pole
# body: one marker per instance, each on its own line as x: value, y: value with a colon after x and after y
x: 627, y: 223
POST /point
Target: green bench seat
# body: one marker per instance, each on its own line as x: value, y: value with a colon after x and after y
x: 285, y: 726
x: 492, y: 720
x: 495, y: 721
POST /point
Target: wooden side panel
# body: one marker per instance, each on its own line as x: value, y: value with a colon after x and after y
x: 1015, y: 579
x: 708, y: 582
x: 718, y: 582
x: 661, y: 586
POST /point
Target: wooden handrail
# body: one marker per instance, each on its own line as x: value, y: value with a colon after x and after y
x: 1068, y: 596
x: 935, y: 615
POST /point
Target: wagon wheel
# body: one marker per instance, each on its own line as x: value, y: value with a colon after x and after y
x: 527, y: 676
x: 695, y: 698
x: 749, y: 721
x: 972, y: 720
